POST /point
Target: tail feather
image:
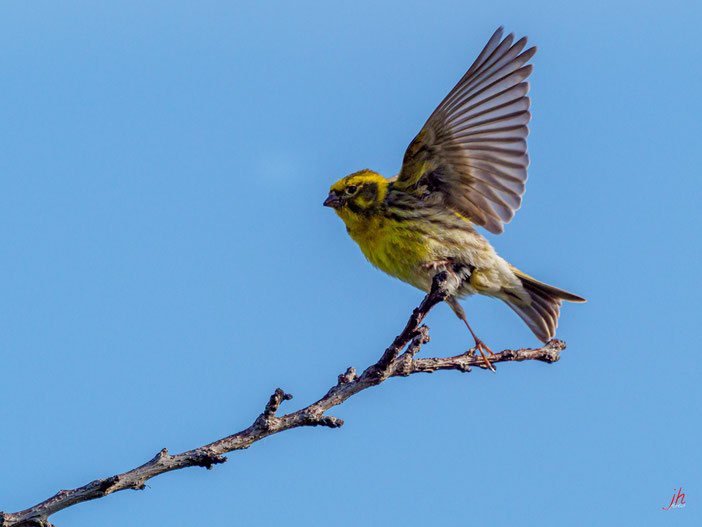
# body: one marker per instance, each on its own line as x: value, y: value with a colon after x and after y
x: 541, y: 314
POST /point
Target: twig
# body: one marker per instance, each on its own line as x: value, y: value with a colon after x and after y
x: 349, y: 383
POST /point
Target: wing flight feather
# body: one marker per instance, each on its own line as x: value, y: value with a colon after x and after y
x: 472, y: 151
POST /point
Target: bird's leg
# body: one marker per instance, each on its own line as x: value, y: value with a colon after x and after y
x: 479, y: 344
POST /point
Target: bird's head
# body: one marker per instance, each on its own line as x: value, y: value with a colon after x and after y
x: 358, y: 196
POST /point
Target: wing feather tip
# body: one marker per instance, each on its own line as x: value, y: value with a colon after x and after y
x: 501, y: 121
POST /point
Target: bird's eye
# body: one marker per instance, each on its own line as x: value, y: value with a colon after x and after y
x: 351, y: 189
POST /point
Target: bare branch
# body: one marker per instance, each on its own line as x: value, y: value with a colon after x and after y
x: 390, y: 364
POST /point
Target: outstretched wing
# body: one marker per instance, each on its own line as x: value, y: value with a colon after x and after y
x: 472, y: 152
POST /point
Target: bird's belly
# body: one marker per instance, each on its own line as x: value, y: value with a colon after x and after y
x: 408, y: 254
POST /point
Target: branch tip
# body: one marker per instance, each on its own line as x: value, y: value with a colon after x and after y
x: 274, y: 402
x: 330, y: 422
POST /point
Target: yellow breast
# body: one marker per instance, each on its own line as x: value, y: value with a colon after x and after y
x: 393, y: 248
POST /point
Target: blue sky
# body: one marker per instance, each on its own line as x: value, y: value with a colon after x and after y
x: 167, y: 263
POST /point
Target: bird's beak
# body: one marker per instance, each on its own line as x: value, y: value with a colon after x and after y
x: 333, y: 200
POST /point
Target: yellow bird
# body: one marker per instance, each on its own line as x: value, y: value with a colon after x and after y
x: 466, y: 167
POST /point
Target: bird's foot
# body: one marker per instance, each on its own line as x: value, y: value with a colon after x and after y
x: 436, y: 264
x: 482, y: 348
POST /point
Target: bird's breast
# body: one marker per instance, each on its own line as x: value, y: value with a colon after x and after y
x: 394, y: 248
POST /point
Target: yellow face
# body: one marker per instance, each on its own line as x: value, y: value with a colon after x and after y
x: 357, y: 196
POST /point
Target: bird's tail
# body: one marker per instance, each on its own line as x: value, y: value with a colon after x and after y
x: 541, y: 313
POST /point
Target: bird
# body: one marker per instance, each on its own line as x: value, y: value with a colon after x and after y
x: 466, y: 168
